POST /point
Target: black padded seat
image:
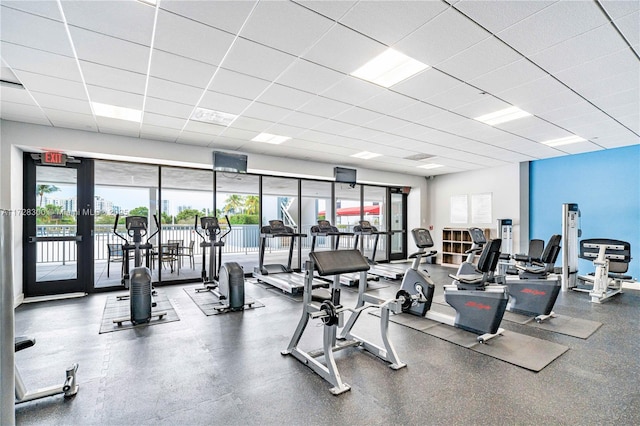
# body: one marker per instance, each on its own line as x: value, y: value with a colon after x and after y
x: 23, y: 342
x: 320, y: 295
x: 339, y: 262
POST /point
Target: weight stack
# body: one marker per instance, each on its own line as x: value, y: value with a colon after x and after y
x: 140, y: 295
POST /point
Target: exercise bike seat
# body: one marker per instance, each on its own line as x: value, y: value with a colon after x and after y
x: 23, y: 342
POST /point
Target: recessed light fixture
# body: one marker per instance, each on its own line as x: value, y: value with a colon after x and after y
x: 564, y: 141
x: 211, y: 116
x: 388, y: 68
x: 366, y: 155
x: 269, y: 138
x: 502, y: 116
x: 119, y: 113
x: 430, y: 166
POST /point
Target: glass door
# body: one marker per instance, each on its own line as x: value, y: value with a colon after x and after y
x: 398, y: 225
x: 58, y: 228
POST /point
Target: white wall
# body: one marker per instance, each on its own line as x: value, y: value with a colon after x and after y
x: 18, y: 137
x: 504, y: 184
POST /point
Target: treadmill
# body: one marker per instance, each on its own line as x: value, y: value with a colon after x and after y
x: 388, y: 271
x: 277, y: 275
x: 325, y: 229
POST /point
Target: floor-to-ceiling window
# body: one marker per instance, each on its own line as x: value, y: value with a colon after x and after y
x: 125, y: 189
x: 316, y: 204
x: 374, y: 210
x: 280, y: 201
x: 186, y: 194
x: 237, y: 197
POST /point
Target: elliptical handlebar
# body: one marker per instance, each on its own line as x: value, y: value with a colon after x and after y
x: 115, y: 229
x: 228, y: 225
x: 155, y: 219
x: 195, y: 227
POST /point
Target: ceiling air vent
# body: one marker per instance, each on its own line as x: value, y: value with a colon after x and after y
x: 418, y: 157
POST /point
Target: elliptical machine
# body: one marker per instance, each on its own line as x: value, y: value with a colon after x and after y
x: 226, y: 281
x: 479, y: 308
x: 138, y: 280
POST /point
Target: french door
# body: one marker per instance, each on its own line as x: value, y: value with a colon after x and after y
x: 57, y: 227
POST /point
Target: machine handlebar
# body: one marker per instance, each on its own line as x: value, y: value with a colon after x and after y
x: 115, y: 229
x: 155, y: 219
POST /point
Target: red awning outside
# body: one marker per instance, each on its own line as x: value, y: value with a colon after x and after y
x: 354, y: 211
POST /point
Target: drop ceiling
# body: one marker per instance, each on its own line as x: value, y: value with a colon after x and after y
x: 284, y: 67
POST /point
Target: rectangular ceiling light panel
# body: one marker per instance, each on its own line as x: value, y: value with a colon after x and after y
x: 211, y: 116
x: 269, y: 138
x: 366, y: 155
x: 564, y: 141
x: 431, y: 166
x: 389, y: 68
x: 502, y: 116
x: 119, y: 113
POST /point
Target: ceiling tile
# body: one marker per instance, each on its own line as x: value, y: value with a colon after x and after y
x: 333, y: 127
x: 252, y: 124
x: 358, y: 116
x: 580, y: 49
x: 62, y: 103
x: 47, y: 9
x: 536, y: 89
x: 617, y: 8
x: 185, y: 37
x: 246, y: 135
x: 115, y: 97
x: 309, y: 77
x: 128, y: 20
x: 386, y: 124
x: 72, y: 120
x: 273, y: 23
x: 158, y: 133
x: 266, y: 112
x: 390, y: 21
x: 562, y: 98
x: 204, y: 128
x: 168, y: 90
x: 344, y: 50
x: 331, y: 9
x: 11, y: 110
x: 163, y: 121
x: 484, y: 105
x: 34, y: 31
x: 106, y: 50
x: 353, y: 90
x: 432, y: 43
x: 118, y: 127
x: 457, y: 96
x: 324, y: 107
x: 113, y: 78
x: 507, y: 77
x: 285, y: 97
x: 180, y: 69
x: 236, y: 84
x: 616, y: 141
x: 496, y: 16
x: 16, y: 95
x: 550, y: 26
x: 387, y: 102
x: 533, y: 128
x: 630, y: 26
x: 591, y: 88
x: 223, y: 103
x: 55, y: 86
x: 259, y: 61
x: 579, y: 148
x: 300, y: 119
x: 168, y: 108
x: 428, y: 83
x: 38, y: 61
x: 194, y: 138
x: 225, y: 15
x: 481, y: 58
x: 417, y: 111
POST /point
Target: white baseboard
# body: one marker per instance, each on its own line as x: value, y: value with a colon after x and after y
x: 53, y: 297
x: 17, y: 301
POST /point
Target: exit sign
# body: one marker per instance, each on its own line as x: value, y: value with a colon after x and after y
x: 53, y: 158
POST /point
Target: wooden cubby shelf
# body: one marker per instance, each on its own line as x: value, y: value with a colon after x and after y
x: 455, y: 241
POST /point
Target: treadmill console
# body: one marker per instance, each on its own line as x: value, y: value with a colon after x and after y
x: 477, y: 236
x: 210, y: 223
x: 277, y: 226
x: 136, y: 223
x: 325, y: 226
x: 422, y: 237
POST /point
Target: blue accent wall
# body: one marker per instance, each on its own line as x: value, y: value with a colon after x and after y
x: 606, y: 186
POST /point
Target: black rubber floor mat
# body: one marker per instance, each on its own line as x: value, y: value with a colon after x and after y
x: 120, y: 309
x: 209, y: 304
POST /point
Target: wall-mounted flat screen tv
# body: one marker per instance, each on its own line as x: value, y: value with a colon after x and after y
x: 344, y: 175
x: 226, y: 162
